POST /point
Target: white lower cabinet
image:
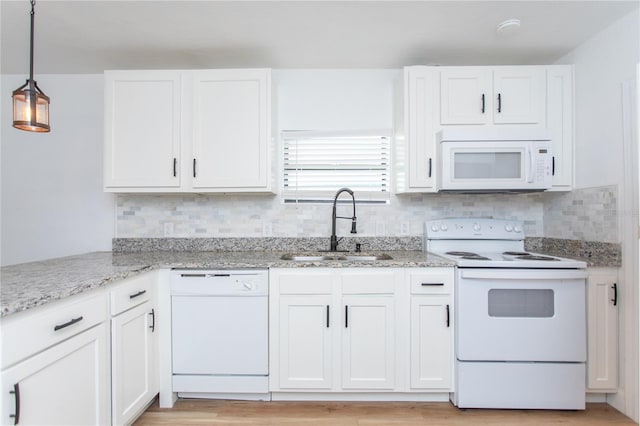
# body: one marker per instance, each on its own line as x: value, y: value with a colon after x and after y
x: 64, y: 378
x: 333, y: 329
x: 602, y: 330
x: 431, y: 351
x: 355, y: 330
x: 134, y: 371
x: 305, y: 348
x: 368, y: 342
x: 431, y: 329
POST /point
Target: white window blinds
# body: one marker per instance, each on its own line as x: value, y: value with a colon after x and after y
x: 316, y: 165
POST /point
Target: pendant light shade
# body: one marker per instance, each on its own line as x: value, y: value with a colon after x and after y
x: 30, y: 104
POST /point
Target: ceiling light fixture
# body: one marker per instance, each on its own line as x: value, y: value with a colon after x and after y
x: 509, y: 26
x: 30, y: 104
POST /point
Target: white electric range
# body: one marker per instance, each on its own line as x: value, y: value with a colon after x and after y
x: 520, y: 317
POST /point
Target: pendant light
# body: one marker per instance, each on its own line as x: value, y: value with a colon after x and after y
x: 30, y: 104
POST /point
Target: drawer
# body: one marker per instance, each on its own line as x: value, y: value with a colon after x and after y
x: 432, y: 281
x: 29, y: 332
x: 372, y: 281
x: 131, y: 292
x: 305, y: 282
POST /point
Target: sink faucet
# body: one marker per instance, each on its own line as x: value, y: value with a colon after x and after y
x: 334, y: 238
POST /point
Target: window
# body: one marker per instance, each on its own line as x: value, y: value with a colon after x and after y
x: 316, y: 165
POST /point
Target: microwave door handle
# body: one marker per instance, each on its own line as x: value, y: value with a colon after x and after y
x: 530, y: 172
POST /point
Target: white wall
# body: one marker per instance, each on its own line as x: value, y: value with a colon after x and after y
x: 605, y: 66
x: 334, y: 99
x: 602, y: 64
x: 52, y: 199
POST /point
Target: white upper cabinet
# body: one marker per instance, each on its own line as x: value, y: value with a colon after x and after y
x: 142, y: 129
x: 415, y: 144
x: 465, y: 95
x: 428, y: 99
x: 492, y: 95
x: 560, y: 124
x: 231, y: 129
x: 188, y: 131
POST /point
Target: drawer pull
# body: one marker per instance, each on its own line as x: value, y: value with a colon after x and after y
x: 431, y: 284
x: 193, y: 275
x: 615, y: 294
x: 16, y: 393
x: 67, y: 324
x: 153, y: 320
x: 140, y: 293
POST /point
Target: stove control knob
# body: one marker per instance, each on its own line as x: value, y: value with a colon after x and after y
x: 434, y: 228
x: 508, y: 228
x: 444, y: 227
x: 517, y: 229
x: 476, y: 227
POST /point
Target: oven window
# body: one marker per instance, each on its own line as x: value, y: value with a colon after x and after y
x: 521, y: 303
x: 487, y: 165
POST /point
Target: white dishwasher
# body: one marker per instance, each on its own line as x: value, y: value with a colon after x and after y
x: 220, y: 333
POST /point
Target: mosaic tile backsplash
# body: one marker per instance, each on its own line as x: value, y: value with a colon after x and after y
x: 585, y: 214
x: 588, y: 214
x: 233, y: 215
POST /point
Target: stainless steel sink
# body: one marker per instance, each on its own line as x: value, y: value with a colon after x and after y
x: 306, y: 257
x: 349, y: 257
x: 365, y: 257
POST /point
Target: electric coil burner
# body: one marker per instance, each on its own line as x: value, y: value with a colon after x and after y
x: 520, y: 327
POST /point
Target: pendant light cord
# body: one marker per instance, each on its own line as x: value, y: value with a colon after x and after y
x: 33, y: 4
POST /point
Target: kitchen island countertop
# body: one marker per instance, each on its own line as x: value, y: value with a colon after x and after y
x: 27, y: 285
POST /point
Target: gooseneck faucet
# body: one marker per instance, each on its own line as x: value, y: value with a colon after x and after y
x: 334, y: 238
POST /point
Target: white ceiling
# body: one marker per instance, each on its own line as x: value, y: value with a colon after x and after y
x: 91, y: 36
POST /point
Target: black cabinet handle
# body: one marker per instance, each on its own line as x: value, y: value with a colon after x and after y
x: 346, y: 316
x: 431, y: 284
x: 175, y: 166
x: 327, y: 316
x: 553, y: 165
x: 499, y: 102
x: 194, y: 167
x: 67, y: 324
x: 153, y: 320
x: 140, y: 293
x: 16, y: 393
x: 483, y: 103
x: 429, y: 166
x: 448, y: 319
x: 615, y: 294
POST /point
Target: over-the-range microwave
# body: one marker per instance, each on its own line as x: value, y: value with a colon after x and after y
x: 494, y: 160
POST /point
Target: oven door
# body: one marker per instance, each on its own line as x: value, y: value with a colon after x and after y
x: 521, y: 315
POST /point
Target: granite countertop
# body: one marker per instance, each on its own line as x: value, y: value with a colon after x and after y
x: 28, y: 285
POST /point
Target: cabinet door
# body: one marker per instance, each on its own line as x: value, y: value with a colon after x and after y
x: 67, y: 384
x: 132, y: 362
x: 431, y: 342
x: 602, y: 331
x: 519, y: 95
x: 142, y: 129
x: 231, y: 130
x: 306, y: 324
x: 560, y: 123
x: 465, y: 95
x: 368, y: 343
x: 421, y: 93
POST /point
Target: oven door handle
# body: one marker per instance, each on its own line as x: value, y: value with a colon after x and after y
x: 523, y: 274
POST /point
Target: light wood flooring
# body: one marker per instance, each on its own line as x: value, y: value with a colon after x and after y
x: 215, y: 412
